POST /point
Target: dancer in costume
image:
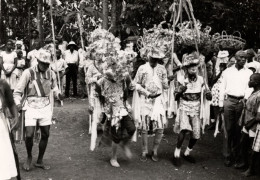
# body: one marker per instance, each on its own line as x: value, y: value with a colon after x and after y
x: 190, y: 96
x: 33, y: 93
x: 114, y: 89
x: 150, y: 83
x: 9, y: 165
x: 95, y: 108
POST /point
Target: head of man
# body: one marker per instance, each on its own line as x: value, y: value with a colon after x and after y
x: 19, y: 46
x: 35, y: 34
x: 153, y: 61
x: 19, y: 54
x: 72, y: 46
x: 58, y: 54
x: 241, y: 57
x: 37, y: 45
x: 9, y: 45
x: 254, y: 81
x: 192, y: 69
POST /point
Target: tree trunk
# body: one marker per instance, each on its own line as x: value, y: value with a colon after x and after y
x: 1, y: 20
x: 114, y: 16
x: 40, y: 20
x: 105, y: 14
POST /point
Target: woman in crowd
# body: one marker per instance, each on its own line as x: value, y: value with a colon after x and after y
x: 8, y: 61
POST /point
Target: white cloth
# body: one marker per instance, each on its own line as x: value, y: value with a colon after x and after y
x: 8, y: 60
x: 235, y: 83
x: 32, y: 57
x: 82, y: 57
x: 71, y: 58
x: 7, y: 161
x: 61, y: 65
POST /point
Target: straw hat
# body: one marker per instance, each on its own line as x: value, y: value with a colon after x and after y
x: 190, y: 60
x: 156, y: 53
x: 44, y: 56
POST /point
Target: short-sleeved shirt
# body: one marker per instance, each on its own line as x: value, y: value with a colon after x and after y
x: 32, y: 57
x: 61, y: 65
x: 8, y: 60
x: 253, y: 107
x: 71, y: 58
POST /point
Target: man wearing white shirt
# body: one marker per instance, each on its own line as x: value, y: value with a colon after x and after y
x: 71, y: 57
x: 32, y: 60
x: 234, y: 91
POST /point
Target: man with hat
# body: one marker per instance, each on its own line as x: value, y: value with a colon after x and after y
x: 32, y: 94
x: 71, y: 57
x: 233, y: 93
x: 190, y: 94
x: 150, y: 82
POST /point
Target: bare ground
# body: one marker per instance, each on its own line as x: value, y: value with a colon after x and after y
x: 69, y: 156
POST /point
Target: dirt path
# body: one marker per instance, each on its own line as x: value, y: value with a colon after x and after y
x: 69, y: 156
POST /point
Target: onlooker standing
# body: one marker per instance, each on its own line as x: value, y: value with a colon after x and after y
x: 234, y: 86
x: 71, y: 57
x: 34, y: 39
x: 20, y: 47
x: 31, y: 56
x: 8, y: 60
x: 82, y: 63
x: 59, y: 67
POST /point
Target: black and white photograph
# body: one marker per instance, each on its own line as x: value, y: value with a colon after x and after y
x: 129, y: 89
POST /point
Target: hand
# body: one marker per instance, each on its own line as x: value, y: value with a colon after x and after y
x: 153, y: 96
x: 183, y: 88
x: 61, y: 97
x: 19, y: 107
x: 7, y: 74
x: 244, y: 102
x: 221, y: 109
x: 208, y: 96
x: 170, y: 78
x: 176, y: 68
x: 90, y: 109
x: 15, y: 124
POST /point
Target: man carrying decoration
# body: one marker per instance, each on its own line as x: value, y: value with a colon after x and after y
x: 190, y: 94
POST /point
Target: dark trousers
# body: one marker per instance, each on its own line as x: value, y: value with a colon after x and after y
x: 71, y: 75
x: 232, y: 112
x: 82, y: 81
x: 125, y: 131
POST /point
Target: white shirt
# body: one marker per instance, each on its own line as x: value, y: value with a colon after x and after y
x: 61, y: 65
x: 235, y: 83
x: 32, y: 57
x: 71, y: 58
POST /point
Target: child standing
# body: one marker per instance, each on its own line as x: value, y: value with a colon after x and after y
x: 60, y: 67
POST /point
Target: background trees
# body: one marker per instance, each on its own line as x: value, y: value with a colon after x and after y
x: 124, y: 17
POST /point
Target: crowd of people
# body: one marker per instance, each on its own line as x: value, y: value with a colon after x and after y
x: 226, y: 85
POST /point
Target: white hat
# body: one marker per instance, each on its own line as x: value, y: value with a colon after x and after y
x: 72, y: 43
x: 44, y: 56
x: 223, y: 54
x: 19, y: 42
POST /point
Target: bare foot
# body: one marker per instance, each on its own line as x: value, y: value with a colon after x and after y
x: 27, y: 164
x: 43, y: 166
x: 128, y: 152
